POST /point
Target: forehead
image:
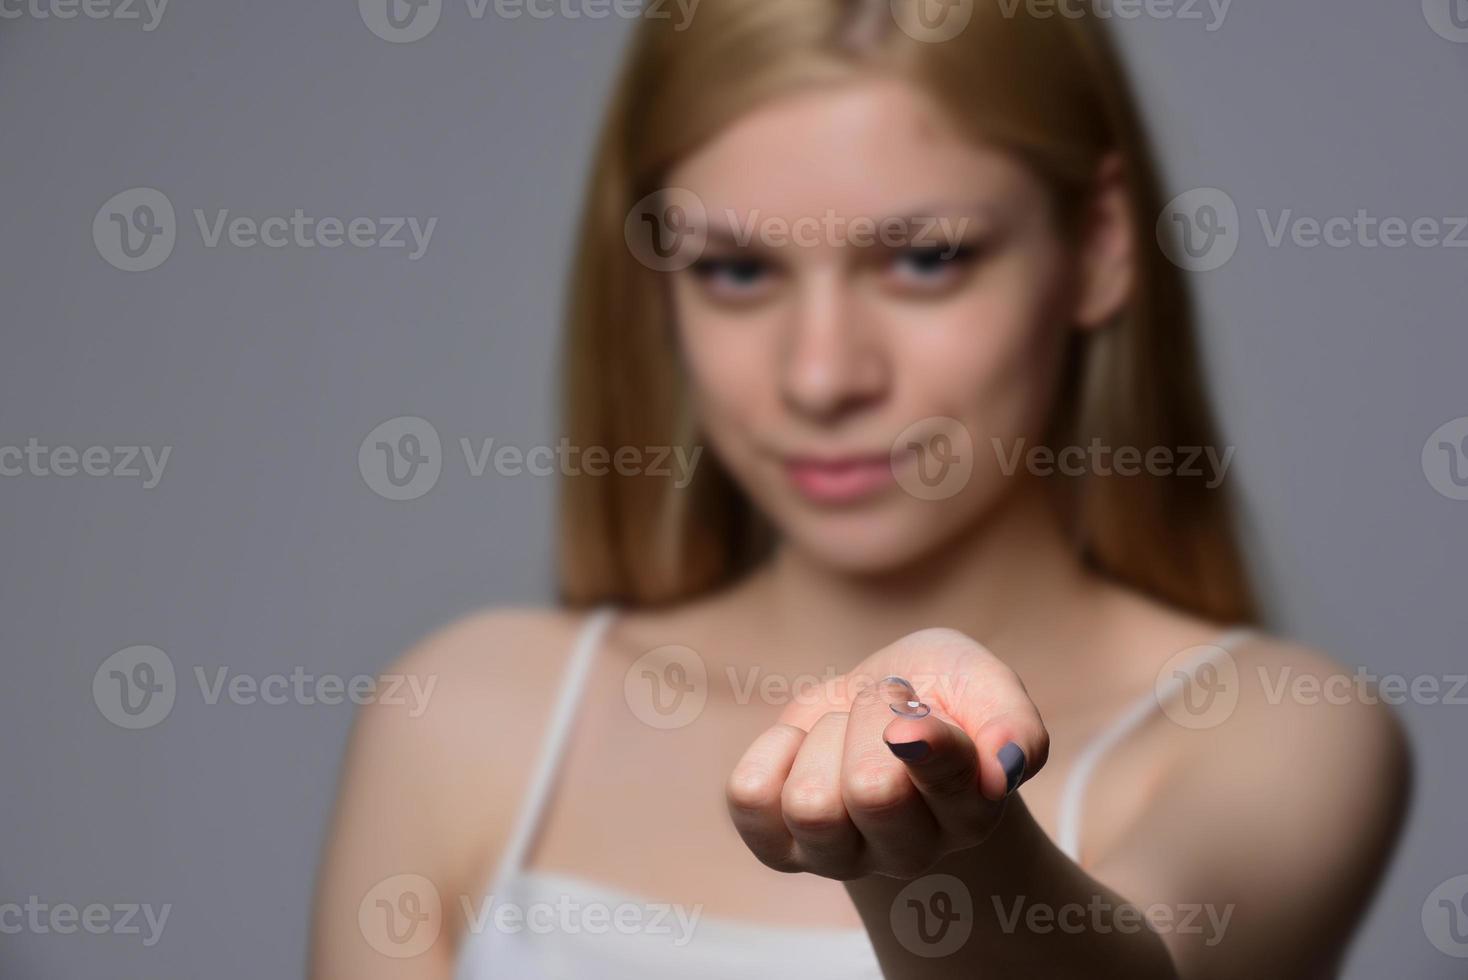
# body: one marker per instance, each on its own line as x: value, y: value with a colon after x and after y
x: 871, y: 147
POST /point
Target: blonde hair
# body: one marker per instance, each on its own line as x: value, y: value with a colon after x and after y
x: 1048, y: 89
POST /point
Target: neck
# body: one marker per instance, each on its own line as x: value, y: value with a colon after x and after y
x: 1009, y: 580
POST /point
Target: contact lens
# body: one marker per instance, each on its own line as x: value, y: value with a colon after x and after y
x: 902, y: 698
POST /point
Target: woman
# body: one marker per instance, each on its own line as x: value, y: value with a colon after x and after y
x: 897, y: 274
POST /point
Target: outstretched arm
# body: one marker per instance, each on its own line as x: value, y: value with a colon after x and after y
x: 1263, y: 844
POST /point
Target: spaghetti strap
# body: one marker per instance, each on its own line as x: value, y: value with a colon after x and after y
x: 1072, y: 797
x: 573, y: 682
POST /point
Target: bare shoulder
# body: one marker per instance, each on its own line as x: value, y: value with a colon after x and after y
x: 506, y: 650
x: 1264, y: 692
x: 1283, y: 782
x: 1302, y: 770
x: 488, y: 682
x: 432, y: 781
x: 1306, y: 722
x: 1331, y: 722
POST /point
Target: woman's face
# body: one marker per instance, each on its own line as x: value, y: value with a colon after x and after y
x: 874, y: 326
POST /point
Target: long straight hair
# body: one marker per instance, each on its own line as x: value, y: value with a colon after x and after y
x: 1049, y: 90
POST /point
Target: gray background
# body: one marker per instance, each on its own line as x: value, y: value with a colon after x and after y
x: 264, y: 550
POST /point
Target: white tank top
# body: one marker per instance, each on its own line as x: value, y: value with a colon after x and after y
x: 537, y: 924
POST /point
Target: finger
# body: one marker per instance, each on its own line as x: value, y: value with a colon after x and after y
x: 1011, y: 749
x: 826, y: 841
x: 942, y: 763
x: 753, y: 794
x: 1009, y: 736
x: 984, y: 697
x: 902, y: 836
x: 811, y: 702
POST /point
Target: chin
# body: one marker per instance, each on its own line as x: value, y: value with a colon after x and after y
x: 870, y: 543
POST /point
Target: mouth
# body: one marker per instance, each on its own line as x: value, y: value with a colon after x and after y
x: 840, y: 479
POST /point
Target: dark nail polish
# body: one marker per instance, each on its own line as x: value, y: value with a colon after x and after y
x: 909, y: 751
x: 1012, y: 758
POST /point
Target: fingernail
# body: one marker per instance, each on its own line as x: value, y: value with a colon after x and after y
x: 1012, y: 758
x: 909, y: 751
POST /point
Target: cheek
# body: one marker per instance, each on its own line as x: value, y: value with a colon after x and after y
x: 730, y: 362
x: 989, y: 358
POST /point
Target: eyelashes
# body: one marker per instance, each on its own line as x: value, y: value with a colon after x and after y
x: 913, y: 271
x: 739, y: 272
x: 935, y: 257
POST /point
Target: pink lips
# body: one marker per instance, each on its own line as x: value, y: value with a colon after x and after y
x: 842, y: 480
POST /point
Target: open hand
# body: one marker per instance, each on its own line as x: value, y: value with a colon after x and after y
x: 905, y: 759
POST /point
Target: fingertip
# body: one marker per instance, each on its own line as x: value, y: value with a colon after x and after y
x: 1012, y: 762
x: 914, y: 751
x: 1002, y: 771
x: 903, y: 730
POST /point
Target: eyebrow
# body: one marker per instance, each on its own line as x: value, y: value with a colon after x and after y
x: 722, y: 235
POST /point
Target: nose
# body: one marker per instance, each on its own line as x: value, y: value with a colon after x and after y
x: 833, y: 362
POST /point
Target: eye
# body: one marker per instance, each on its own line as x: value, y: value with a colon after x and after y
x: 734, y: 278
x: 931, y: 266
